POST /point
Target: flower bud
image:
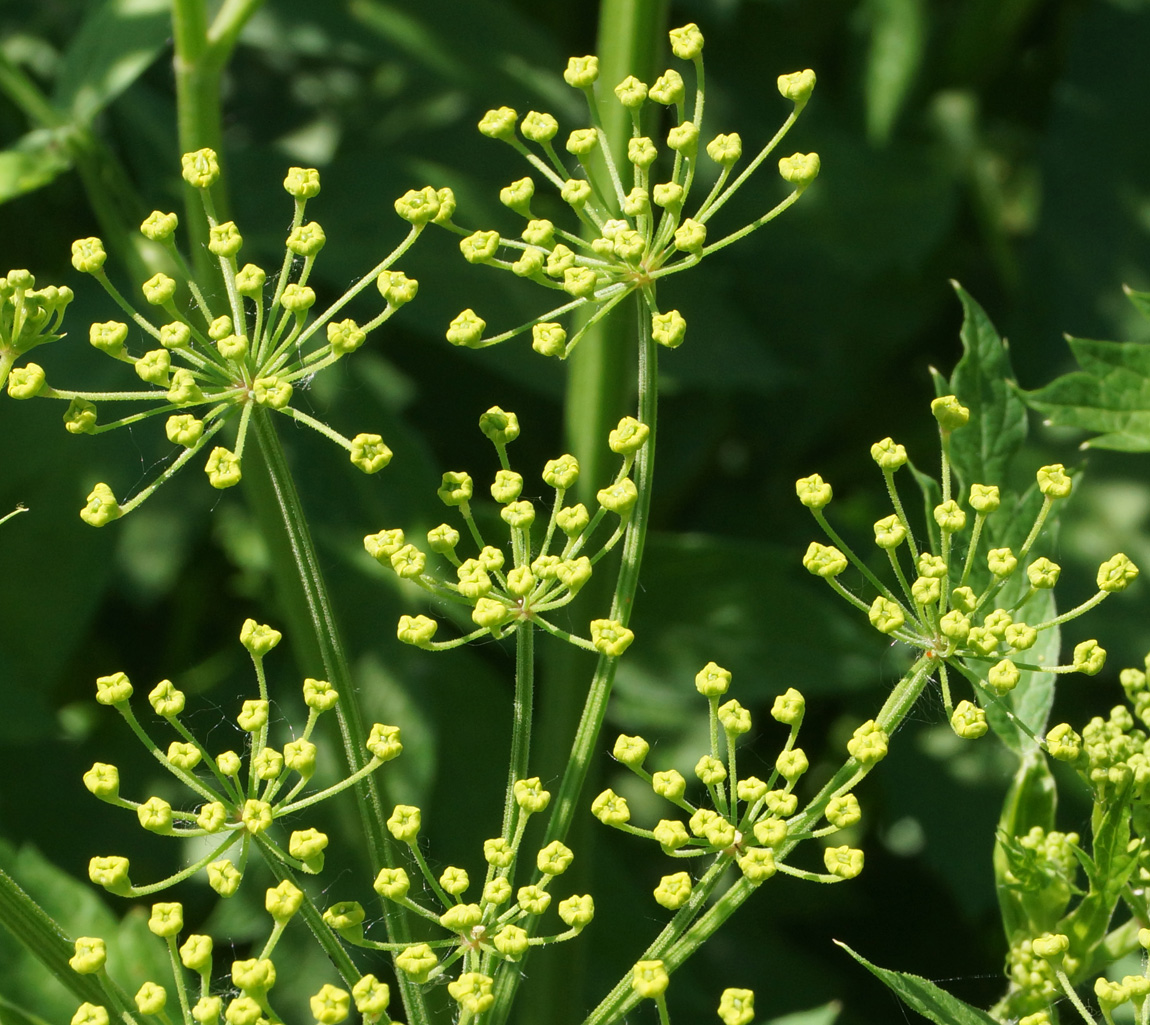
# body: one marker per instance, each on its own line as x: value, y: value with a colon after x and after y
x: 737, y: 1007
x: 757, y: 864
x: 302, y: 182
x: 249, y: 282
x: 668, y: 88
x: 813, y: 491
x: 631, y: 92
x: 1089, y: 658
x: 404, y: 823
x: 869, y: 743
x: 885, y: 615
x: 949, y: 412
x: 610, y: 637
x: 792, y: 764
x: 225, y: 239
x: 725, y: 150
x: 949, y: 516
x: 466, y: 329
x: 151, y: 998
x: 800, y: 169
x: 684, y: 139
x: 222, y: 468
x: 797, y: 86
x: 888, y: 454
x: 843, y: 811
x: 669, y: 784
x: 649, y: 979
x: 480, y: 246
x: 1053, y: 481
x: 582, y: 142
x: 88, y: 255
x: 330, y: 1005
x: 686, y: 42
x: 1003, y: 677
x: 844, y: 862
x: 968, y: 721
x: 1116, y: 574
x: 419, y: 207
x: 200, y: 169
x: 538, y: 127
x: 789, y: 708
x: 581, y: 72
x: 308, y: 845
x: 611, y: 809
x: 90, y: 955
x: 984, y: 498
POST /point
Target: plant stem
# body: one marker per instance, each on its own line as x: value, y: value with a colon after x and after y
x: 622, y: 603
x: 278, y: 507
x: 519, y: 763
x: 201, y: 54
x: 45, y: 940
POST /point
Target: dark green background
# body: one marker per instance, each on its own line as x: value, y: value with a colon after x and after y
x: 1001, y: 143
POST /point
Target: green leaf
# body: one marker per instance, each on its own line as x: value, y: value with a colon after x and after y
x: 1110, y: 394
x: 981, y: 450
x: 10, y: 1014
x: 896, y: 49
x: 115, y: 45
x: 1141, y: 300
x: 824, y: 1015
x: 34, y: 161
x: 924, y: 996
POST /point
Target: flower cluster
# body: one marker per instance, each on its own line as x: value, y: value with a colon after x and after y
x: 978, y: 631
x: 543, y: 575
x: 209, y: 365
x: 237, y: 807
x: 1046, y: 965
x: 744, y: 807
x: 633, y: 224
x: 249, y: 980
x: 497, y: 927
x: 29, y: 316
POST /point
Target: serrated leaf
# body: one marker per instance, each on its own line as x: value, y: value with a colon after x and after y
x: 115, y: 45
x: 924, y: 996
x: 33, y: 162
x: 1110, y: 394
x: 981, y: 380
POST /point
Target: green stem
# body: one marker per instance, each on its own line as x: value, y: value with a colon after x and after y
x: 201, y: 54
x: 519, y: 762
x: 622, y: 602
x: 313, y: 917
x: 595, y: 707
x: 278, y: 507
x: 45, y: 940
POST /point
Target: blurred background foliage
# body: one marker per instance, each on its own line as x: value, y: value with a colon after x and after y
x: 1000, y: 143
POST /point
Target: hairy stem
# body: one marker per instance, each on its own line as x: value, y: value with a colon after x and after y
x: 45, y: 940
x: 278, y: 507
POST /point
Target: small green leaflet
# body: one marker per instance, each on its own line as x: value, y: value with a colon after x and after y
x: 982, y: 381
x: 1109, y: 395
x: 924, y: 996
